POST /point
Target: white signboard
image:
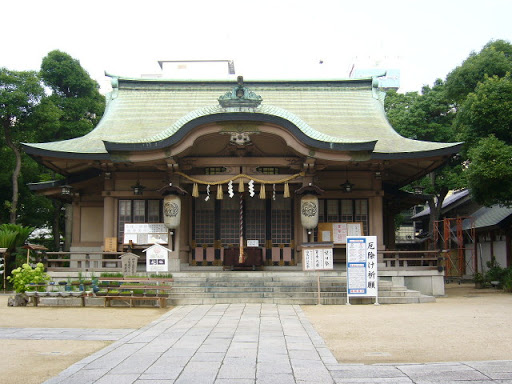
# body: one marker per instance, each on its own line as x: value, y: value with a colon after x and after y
x: 157, y: 259
x: 317, y: 258
x: 362, y: 266
x: 340, y: 231
x: 145, y: 233
x: 253, y: 243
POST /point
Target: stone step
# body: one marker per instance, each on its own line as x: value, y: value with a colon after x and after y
x: 278, y: 287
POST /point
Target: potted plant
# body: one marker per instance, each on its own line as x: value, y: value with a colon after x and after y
x: 479, y: 280
x: 102, y: 292
x: 150, y: 293
x: 125, y: 293
x: 113, y: 292
x: 87, y: 282
x: 138, y: 292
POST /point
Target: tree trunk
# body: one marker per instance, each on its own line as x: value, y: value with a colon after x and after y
x: 57, y: 205
x: 15, y: 173
x: 435, y: 205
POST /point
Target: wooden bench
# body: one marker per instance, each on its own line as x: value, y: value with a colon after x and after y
x: 162, y: 301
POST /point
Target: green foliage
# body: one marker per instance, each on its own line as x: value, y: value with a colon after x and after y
x: 495, y: 59
x: 495, y: 273
x: 486, y: 111
x: 8, y: 239
x: 22, y: 233
x: 111, y: 274
x: 75, y: 105
x: 489, y: 172
x: 25, y: 275
x: 427, y: 116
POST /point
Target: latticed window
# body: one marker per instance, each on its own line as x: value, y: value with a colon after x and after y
x: 138, y: 211
x: 229, y: 221
x: 204, y: 221
x: 281, y: 220
x: 255, y: 220
x: 344, y: 211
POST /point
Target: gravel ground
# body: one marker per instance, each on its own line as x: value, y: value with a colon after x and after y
x: 467, y: 325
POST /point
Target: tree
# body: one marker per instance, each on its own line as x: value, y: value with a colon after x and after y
x: 489, y: 172
x: 428, y: 116
x: 74, y: 94
x: 486, y: 111
x: 19, y: 94
x: 495, y: 59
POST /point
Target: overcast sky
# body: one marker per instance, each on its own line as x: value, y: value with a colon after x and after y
x: 273, y: 39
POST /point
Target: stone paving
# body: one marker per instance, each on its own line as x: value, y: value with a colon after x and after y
x: 246, y: 343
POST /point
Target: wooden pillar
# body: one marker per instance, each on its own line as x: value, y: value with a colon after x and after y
x: 108, y: 216
x: 68, y: 227
x: 377, y: 222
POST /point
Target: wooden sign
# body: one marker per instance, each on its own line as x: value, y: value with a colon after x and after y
x: 110, y: 244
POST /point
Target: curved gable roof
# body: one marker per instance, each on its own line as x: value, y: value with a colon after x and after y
x: 145, y: 114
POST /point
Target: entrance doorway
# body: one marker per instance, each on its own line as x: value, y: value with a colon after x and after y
x: 217, y: 225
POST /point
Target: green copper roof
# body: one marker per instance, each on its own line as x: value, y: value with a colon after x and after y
x: 341, y: 112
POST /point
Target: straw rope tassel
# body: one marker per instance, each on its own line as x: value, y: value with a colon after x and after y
x: 220, y: 194
x: 262, y: 192
x: 286, y: 193
x: 195, y: 190
x: 241, y: 188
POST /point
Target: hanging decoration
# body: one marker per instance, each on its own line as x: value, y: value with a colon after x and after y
x: 230, y: 189
x: 273, y: 192
x: 241, y: 187
x: 195, y: 190
x: 286, y: 193
x: 262, y: 192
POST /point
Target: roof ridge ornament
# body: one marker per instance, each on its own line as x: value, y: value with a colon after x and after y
x: 240, y: 96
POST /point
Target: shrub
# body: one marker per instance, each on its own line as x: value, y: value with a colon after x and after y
x: 24, y: 275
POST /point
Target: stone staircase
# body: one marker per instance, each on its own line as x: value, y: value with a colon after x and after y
x: 291, y: 287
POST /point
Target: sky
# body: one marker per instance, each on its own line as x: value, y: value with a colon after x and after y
x: 277, y: 39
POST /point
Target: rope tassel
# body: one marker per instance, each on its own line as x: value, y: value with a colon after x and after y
x: 195, y: 190
x: 241, y: 188
x: 220, y: 194
x: 262, y: 192
x: 286, y: 193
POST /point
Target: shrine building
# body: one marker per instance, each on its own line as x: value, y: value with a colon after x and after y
x: 236, y: 161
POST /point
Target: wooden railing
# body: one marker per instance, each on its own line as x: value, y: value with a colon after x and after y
x: 413, y: 260
x: 83, y: 261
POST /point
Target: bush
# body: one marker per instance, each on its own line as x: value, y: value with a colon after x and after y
x: 24, y: 275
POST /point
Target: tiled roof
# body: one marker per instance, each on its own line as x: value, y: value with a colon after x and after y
x: 341, y: 111
x: 449, y: 200
x: 488, y: 217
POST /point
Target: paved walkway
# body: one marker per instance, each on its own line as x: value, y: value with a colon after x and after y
x: 246, y: 343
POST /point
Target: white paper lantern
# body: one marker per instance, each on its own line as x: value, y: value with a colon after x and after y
x: 309, y: 211
x: 172, y: 211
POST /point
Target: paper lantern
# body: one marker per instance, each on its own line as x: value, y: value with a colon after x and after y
x: 172, y: 211
x: 309, y: 211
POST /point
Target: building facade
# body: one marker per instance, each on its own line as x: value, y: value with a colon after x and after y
x: 234, y: 155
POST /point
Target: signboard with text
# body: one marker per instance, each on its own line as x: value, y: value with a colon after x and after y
x: 317, y: 257
x: 145, y: 233
x: 362, y: 266
x: 157, y: 258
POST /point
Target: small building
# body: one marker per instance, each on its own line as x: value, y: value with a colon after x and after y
x: 239, y: 151
x: 473, y: 233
